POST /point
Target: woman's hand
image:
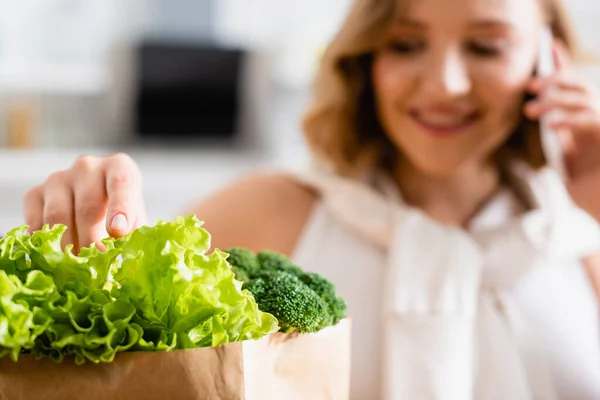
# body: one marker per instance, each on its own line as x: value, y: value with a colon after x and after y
x: 96, y: 197
x: 574, y: 110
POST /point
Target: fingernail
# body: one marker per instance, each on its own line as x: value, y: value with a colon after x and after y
x: 119, y: 222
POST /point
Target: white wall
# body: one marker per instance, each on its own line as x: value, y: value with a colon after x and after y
x: 295, y: 31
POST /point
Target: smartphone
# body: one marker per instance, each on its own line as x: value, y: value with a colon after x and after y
x: 551, y: 145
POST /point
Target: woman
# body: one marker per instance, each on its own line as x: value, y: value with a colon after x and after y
x: 467, y: 268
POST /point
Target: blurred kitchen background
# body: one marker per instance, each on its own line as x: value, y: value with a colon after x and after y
x: 197, y: 91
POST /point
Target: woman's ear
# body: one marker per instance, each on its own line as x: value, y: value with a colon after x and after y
x: 562, y: 58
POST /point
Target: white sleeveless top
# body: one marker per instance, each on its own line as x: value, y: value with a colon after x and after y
x: 503, y: 310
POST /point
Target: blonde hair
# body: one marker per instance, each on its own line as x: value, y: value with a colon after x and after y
x: 342, y: 127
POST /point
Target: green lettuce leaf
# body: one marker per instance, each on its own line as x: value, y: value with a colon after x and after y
x: 21, y: 252
x: 22, y: 316
x: 155, y: 289
x: 183, y: 293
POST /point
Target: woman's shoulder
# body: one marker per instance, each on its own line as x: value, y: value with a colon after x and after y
x: 260, y: 211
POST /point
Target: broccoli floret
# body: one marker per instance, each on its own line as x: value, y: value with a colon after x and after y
x: 272, y: 261
x: 293, y: 303
x: 326, y: 290
x: 244, y: 263
x: 303, y: 301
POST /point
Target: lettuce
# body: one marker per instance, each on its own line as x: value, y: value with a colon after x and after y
x: 22, y: 315
x: 180, y: 290
x: 156, y: 289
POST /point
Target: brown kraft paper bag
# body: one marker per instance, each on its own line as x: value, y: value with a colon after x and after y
x: 278, y: 366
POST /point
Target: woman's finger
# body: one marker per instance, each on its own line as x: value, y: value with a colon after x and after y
x: 89, y: 199
x: 58, y: 206
x: 582, y: 130
x: 33, y: 208
x: 568, y: 101
x: 90, y: 202
x: 564, y: 81
x: 124, y: 190
x: 576, y: 122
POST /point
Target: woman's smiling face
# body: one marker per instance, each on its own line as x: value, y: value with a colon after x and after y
x: 450, y: 78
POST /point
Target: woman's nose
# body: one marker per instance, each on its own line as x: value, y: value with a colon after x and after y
x: 446, y: 76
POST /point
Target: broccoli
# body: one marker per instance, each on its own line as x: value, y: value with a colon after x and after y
x: 324, y: 288
x: 294, y: 304
x: 244, y: 263
x: 270, y: 260
x: 303, y: 301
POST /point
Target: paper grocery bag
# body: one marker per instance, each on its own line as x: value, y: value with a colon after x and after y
x: 304, y: 367
x: 278, y: 366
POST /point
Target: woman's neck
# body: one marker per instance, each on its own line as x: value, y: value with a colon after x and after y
x: 452, y: 200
